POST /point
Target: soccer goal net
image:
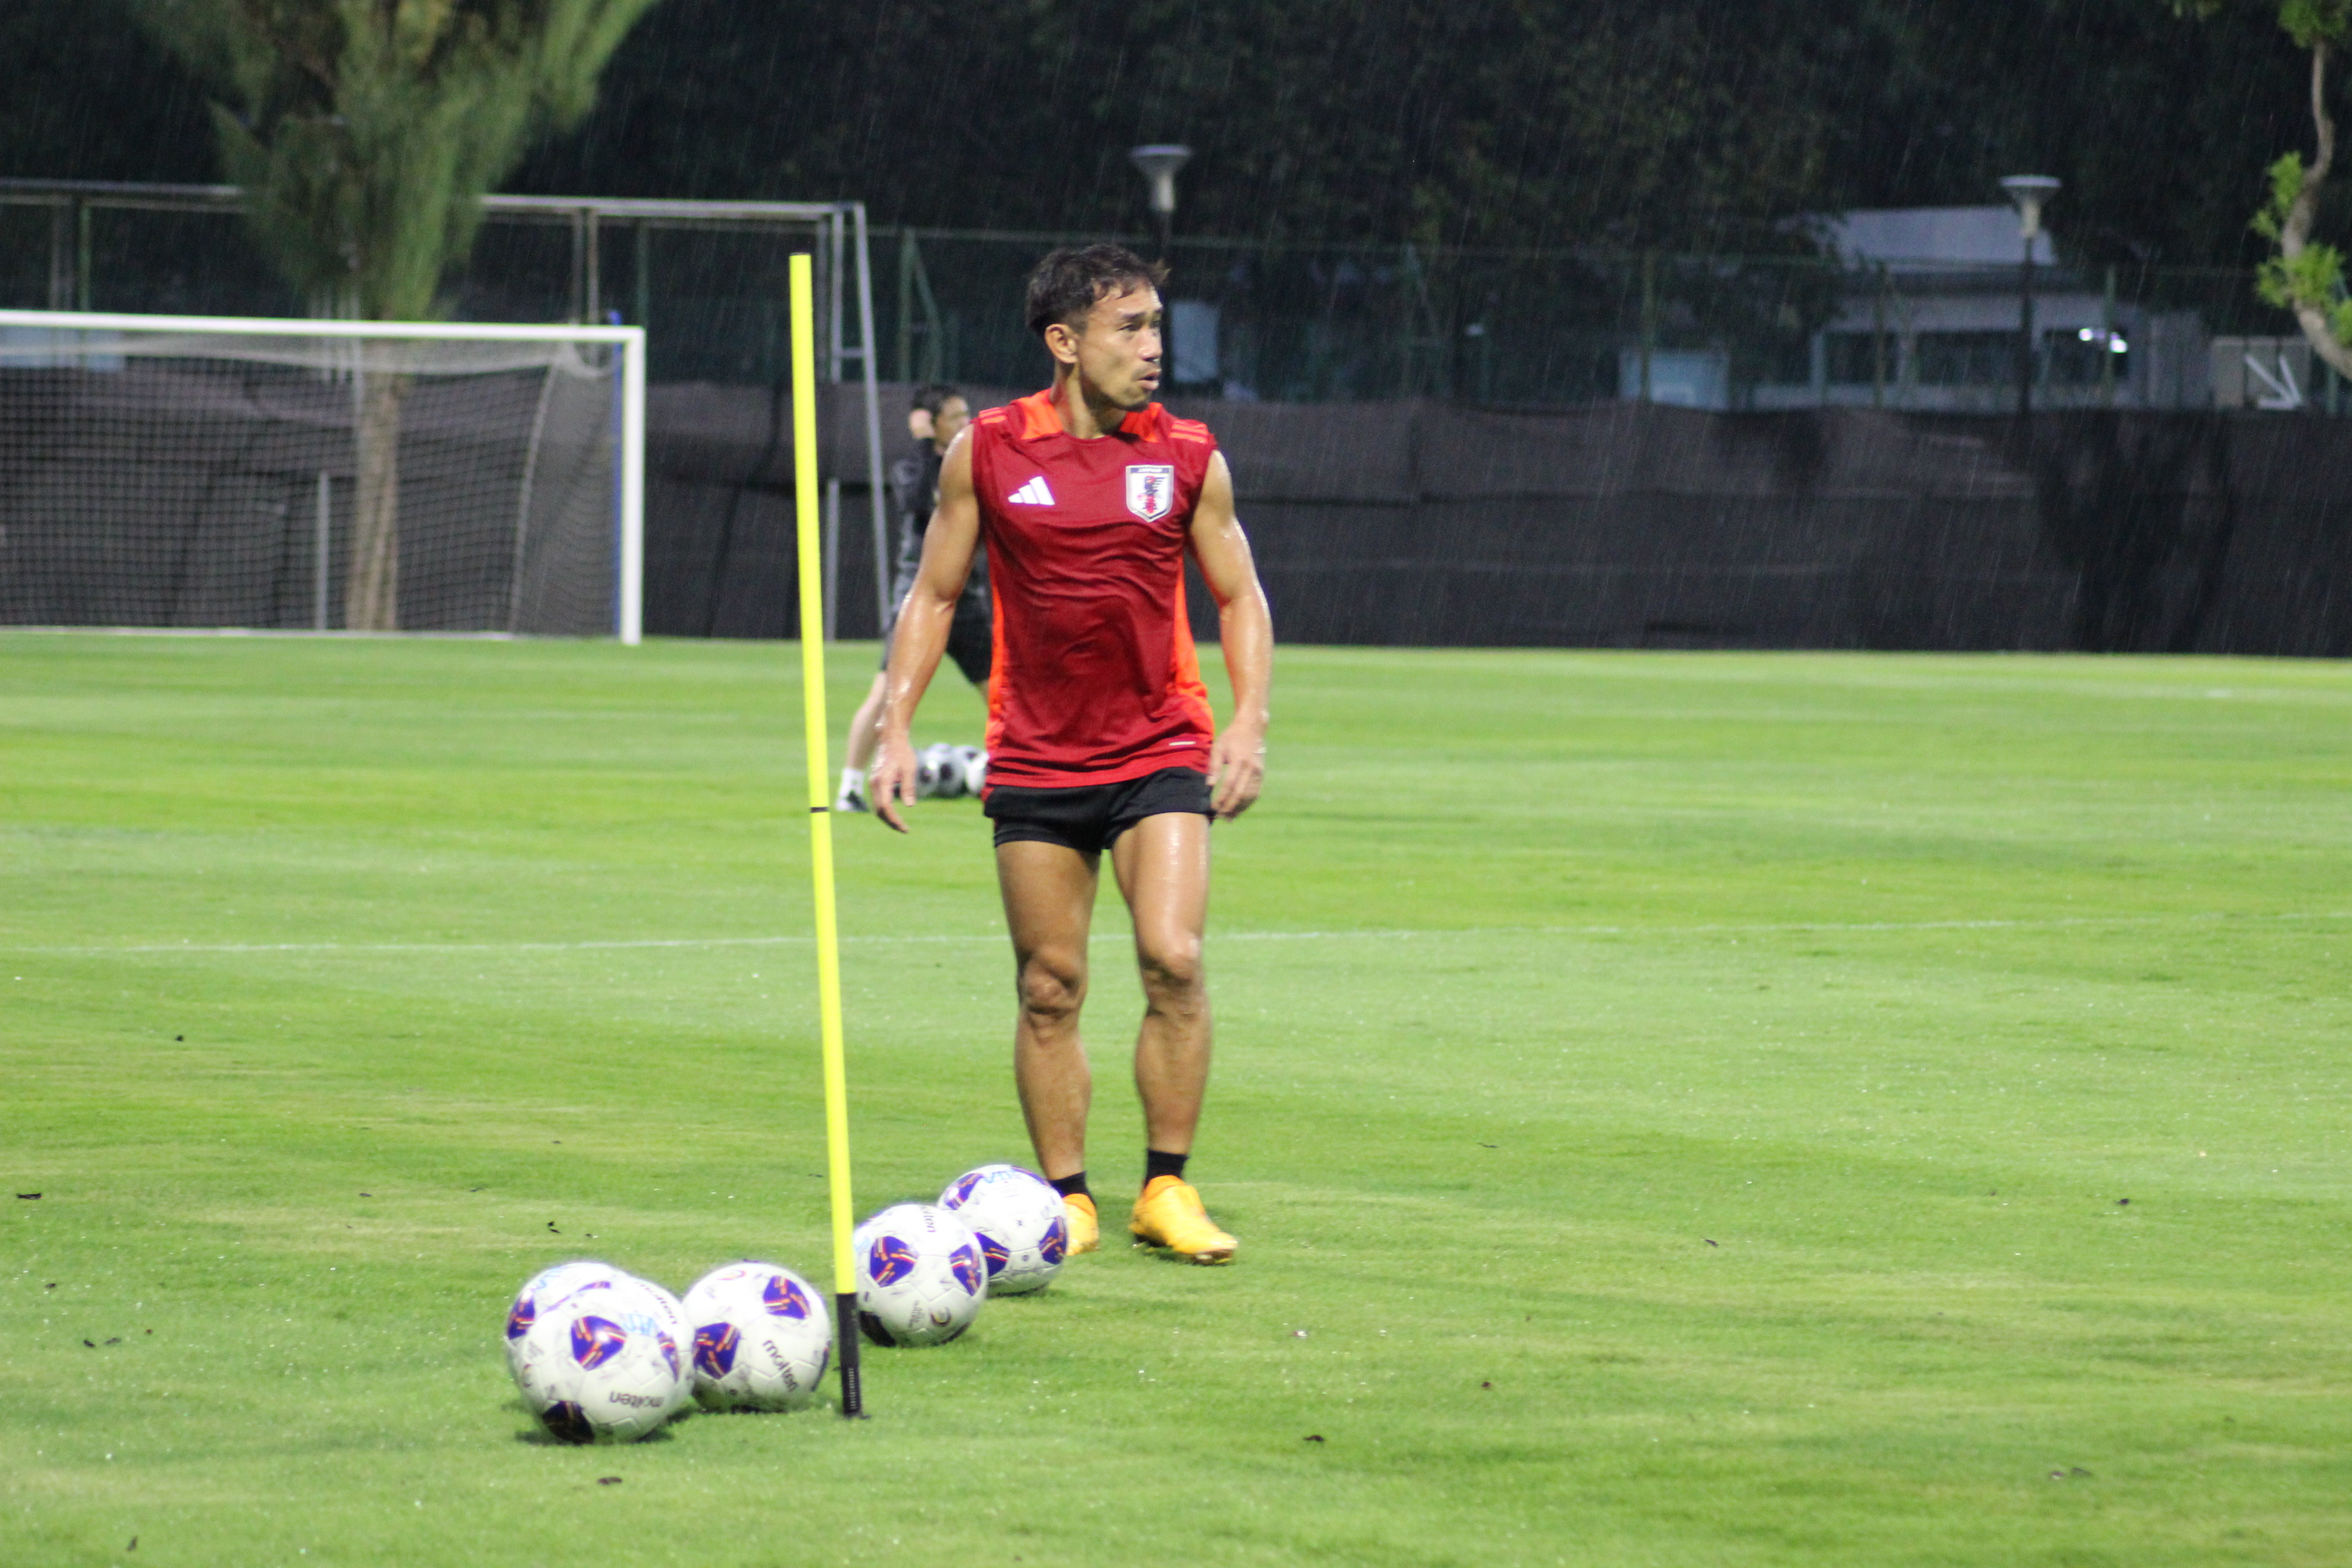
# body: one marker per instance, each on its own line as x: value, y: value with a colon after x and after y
x: 361, y: 475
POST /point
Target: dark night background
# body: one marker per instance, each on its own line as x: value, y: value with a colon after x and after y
x: 1601, y: 126
x: 1691, y: 124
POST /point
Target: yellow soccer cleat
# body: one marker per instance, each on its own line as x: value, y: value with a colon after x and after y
x: 1085, y: 1230
x: 1169, y: 1215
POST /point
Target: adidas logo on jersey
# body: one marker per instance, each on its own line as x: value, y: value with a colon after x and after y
x: 1034, y: 493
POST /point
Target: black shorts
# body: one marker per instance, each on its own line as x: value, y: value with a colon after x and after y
x: 971, y: 635
x: 1089, y: 817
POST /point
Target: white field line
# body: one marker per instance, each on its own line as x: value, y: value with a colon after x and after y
x: 1371, y: 934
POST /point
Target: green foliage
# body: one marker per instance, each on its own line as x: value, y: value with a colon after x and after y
x: 1540, y: 122
x: 1618, y: 123
x: 2313, y: 22
x: 366, y: 131
x: 2311, y: 280
x: 2286, y: 183
x: 2307, y: 22
x: 2299, y: 275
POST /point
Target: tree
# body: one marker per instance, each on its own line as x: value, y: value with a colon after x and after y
x: 2303, y: 277
x: 364, y: 134
x: 1628, y: 123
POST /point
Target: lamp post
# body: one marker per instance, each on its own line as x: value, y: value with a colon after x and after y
x: 1158, y: 162
x: 2029, y: 193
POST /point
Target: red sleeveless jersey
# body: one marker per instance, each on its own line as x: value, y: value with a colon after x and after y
x: 1095, y: 680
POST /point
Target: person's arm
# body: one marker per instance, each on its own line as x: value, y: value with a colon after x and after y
x: 922, y: 635
x: 1245, y: 628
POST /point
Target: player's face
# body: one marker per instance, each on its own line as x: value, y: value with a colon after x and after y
x: 948, y: 422
x: 1119, y: 351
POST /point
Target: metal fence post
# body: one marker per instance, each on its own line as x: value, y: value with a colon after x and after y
x: 868, y: 372
x: 591, y: 242
x: 324, y: 549
x: 643, y: 269
x: 2107, y: 344
x: 61, y: 296
x: 840, y: 236
x: 1649, y: 316
x: 906, y: 347
x: 1878, y: 341
x: 576, y: 286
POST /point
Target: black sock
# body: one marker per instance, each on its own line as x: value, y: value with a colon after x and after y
x: 1073, y: 1186
x: 1157, y: 1164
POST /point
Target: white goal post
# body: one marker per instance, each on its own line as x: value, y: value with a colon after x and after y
x: 244, y: 472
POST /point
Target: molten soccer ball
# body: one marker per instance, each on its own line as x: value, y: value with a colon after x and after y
x: 542, y: 1290
x: 1019, y: 1219
x: 975, y: 769
x: 920, y: 1275
x: 939, y: 773
x: 604, y: 1364
x: 761, y: 1337
x: 674, y: 1323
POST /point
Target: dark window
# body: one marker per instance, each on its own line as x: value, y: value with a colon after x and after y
x: 1968, y: 359
x: 2073, y: 357
x: 1854, y: 358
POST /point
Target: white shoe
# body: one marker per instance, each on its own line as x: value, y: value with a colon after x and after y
x: 852, y: 798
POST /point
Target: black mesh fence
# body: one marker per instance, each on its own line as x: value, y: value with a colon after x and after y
x: 1446, y: 445
x: 1570, y: 329
x: 1256, y: 322
x: 1633, y: 525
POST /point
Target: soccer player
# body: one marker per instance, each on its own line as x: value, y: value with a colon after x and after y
x: 937, y: 417
x: 1089, y: 496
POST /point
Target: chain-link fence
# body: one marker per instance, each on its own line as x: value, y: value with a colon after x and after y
x: 712, y: 273
x: 1553, y: 329
x: 1299, y: 324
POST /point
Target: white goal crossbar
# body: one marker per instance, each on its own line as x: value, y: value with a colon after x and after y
x: 24, y: 336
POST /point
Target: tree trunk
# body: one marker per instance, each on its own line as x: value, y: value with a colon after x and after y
x: 2295, y: 233
x: 371, y: 596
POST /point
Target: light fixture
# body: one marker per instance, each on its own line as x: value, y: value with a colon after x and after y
x: 1159, y: 162
x: 2029, y: 193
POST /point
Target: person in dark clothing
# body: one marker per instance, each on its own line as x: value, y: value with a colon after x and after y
x: 937, y: 416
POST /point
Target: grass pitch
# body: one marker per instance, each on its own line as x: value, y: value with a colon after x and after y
x: 1678, y: 1110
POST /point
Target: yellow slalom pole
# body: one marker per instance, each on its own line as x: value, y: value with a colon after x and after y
x: 828, y: 934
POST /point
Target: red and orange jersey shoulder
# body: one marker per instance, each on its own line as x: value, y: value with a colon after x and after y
x: 1095, y: 680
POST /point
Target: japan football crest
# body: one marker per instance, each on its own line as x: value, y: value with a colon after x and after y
x: 1151, y: 489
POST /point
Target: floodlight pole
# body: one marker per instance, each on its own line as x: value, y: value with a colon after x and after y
x: 2029, y: 192
x: 1157, y: 163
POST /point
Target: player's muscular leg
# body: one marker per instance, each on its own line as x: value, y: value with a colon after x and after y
x: 1162, y: 864
x: 1049, y: 902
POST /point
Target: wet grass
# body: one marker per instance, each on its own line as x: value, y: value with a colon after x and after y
x: 1678, y: 1110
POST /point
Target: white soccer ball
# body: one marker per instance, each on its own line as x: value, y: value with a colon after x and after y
x: 1022, y: 1226
x: 542, y: 1290
x: 975, y: 769
x: 676, y: 1323
x: 761, y: 1337
x: 921, y: 1276
x: 939, y: 773
x: 605, y: 1364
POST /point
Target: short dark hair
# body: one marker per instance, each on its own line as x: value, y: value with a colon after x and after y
x: 1064, y: 285
x: 932, y: 396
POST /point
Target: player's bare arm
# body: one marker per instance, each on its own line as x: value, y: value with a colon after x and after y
x: 922, y: 634
x: 1245, y: 628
